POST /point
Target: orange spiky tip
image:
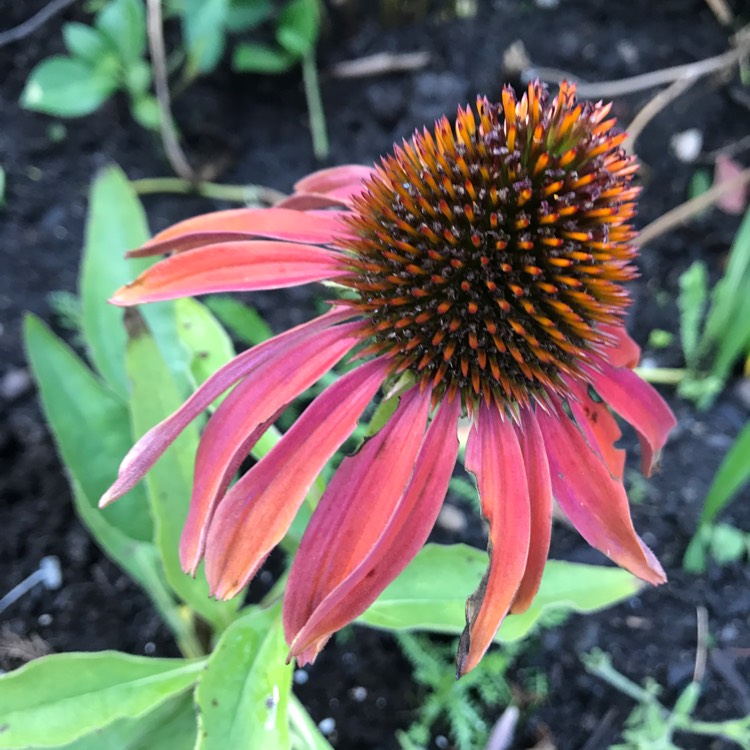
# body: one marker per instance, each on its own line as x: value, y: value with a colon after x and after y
x: 488, y: 256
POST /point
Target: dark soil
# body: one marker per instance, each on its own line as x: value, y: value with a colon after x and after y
x: 255, y: 130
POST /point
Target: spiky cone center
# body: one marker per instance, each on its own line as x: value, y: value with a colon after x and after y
x: 487, y: 257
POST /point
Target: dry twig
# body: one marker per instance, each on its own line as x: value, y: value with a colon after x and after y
x: 380, y: 64
x: 38, y: 20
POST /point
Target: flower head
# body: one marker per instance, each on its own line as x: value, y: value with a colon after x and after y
x: 482, y: 265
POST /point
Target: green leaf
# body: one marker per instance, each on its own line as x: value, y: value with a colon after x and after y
x: 732, y: 476
x: 116, y: 223
x: 66, y: 87
x: 57, y: 699
x: 138, y: 78
x: 156, y: 396
x: 260, y: 58
x: 124, y: 22
x: 243, y: 695
x: 170, y: 726
x: 208, y: 344
x: 86, y: 43
x: 145, y: 111
x: 298, y: 27
x: 2, y: 187
x: 90, y: 424
x: 203, y: 24
x: 243, y: 321
x: 431, y: 593
x: 244, y: 15
x: 692, y: 305
x: 728, y: 544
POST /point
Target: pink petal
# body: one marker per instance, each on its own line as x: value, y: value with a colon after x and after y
x: 243, y: 417
x: 625, y: 352
x: 494, y: 456
x: 256, y: 513
x: 332, y: 180
x: 403, y: 536
x: 231, y: 267
x: 638, y: 403
x: 594, y: 500
x: 355, y: 509
x: 725, y: 171
x: 246, y: 223
x: 540, y: 501
x: 598, y: 427
x: 144, y: 454
x: 310, y: 202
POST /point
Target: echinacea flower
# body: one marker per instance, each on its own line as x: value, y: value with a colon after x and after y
x: 482, y: 269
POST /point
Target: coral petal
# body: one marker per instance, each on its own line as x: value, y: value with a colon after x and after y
x: 243, y: 416
x: 355, y: 509
x: 594, y: 500
x: 406, y: 532
x: 231, y: 266
x: 639, y: 404
x: 256, y: 513
x: 540, y: 500
x: 494, y: 456
x: 144, y: 454
x: 332, y: 180
x: 246, y: 223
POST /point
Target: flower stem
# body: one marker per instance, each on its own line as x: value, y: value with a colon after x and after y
x: 247, y: 194
x: 662, y: 375
x: 315, y: 106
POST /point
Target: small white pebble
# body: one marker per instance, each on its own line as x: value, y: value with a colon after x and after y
x: 687, y: 145
x: 547, y: 4
x: 300, y: 677
x: 327, y: 726
x: 441, y: 741
x: 14, y: 384
x: 44, y: 620
x: 149, y: 648
x: 359, y: 693
x: 381, y: 703
x: 451, y: 518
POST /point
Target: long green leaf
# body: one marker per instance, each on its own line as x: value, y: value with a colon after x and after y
x: 116, y: 223
x: 692, y: 305
x: 155, y: 396
x: 305, y: 732
x: 57, y: 699
x: 90, y: 424
x: 243, y: 695
x: 431, y: 593
x: 170, y: 726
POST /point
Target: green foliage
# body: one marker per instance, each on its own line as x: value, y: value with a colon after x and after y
x: 715, y: 339
x: 652, y: 726
x: 106, y: 57
x: 724, y: 543
x: 241, y: 320
x: 460, y: 704
x: 431, y: 593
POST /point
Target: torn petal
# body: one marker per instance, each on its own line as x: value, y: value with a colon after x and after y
x: 231, y: 267
x: 494, y: 456
x: 257, y: 511
x: 639, y: 404
x: 594, y: 500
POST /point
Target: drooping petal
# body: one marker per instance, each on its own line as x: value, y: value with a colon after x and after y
x: 242, y: 417
x: 594, y: 500
x: 540, y: 503
x: 406, y: 532
x: 598, y: 426
x: 332, y: 180
x: 246, y: 223
x: 639, y: 404
x: 256, y: 513
x: 355, y: 509
x: 231, y: 267
x: 625, y: 352
x: 494, y: 456
x: 144, y: 454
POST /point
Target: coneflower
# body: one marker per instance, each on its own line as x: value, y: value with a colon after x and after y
x: 481, y: 266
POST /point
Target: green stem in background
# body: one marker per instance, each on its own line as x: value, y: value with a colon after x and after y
x: 315, y: 110
x: 247, y: 194
x: 662, y: 375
